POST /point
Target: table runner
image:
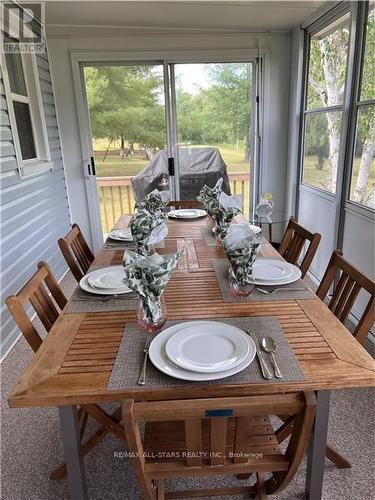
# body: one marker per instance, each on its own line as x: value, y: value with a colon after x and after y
x: 221, y: 267
x: 129, y: 359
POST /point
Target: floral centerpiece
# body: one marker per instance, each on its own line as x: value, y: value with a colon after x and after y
x: 148, y: 276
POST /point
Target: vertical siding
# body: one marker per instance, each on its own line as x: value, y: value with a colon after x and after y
x: 34, y: 212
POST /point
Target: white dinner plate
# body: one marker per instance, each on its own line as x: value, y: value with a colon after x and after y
x: 209, y: 348
x: 107, y: 277
x: 255, y: 229
x: 295, y: 275
x: 121, y: 234
x: 187, y: 213
x: 271, y: 270
x: 85, y: 285
x: 161, y: 361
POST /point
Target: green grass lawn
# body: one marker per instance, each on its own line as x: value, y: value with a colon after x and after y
x: 318, y: 178
x: 114, y: 166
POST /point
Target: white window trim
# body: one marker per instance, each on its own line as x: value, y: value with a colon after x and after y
x: 42, y: 162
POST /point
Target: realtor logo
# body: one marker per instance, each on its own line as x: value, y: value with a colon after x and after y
x: 22, y: 27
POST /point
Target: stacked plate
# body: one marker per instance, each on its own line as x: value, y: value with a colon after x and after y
x: 187, y: 213
x: 105, y: 281
x: 121, y: 235
x: 274, y: 272
x: 202, y: 350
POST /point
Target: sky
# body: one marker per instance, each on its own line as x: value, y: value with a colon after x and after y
x: 192, y: 76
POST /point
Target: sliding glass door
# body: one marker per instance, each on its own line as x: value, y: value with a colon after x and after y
x: 213, y: 103
x: 128, y: 127
x: 167, y: 126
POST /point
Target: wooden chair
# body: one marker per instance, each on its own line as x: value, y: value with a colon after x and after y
x: 351, y: 281
x: 76, y: 252
x: 293, y: 241
x: 185, y: 204
x: 225, y: 436
x: 47, y: 299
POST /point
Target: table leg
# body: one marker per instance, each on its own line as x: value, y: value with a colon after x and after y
x: 73, y: 452
x: 317, y: 448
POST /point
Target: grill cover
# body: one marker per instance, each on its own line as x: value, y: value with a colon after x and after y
x: 198, y: 166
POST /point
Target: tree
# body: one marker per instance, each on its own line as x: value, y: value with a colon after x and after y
x: 220, y: 113
x: 366, y: 118
x: 327, y: 72
x: 328, y: 57
x: 124, y: 104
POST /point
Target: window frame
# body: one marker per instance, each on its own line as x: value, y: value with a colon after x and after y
x: 42, y: 162
x: 356, y: 106
x: 322, y: 23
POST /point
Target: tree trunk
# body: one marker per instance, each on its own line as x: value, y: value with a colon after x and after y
x: 334, y: 130
x: 370, y: 202
x: 319, y: 165
x: 330, y: 50
x: 365, y: 165
x: 106, y: 152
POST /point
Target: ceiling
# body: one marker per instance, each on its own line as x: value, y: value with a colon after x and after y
x: 110, y: 18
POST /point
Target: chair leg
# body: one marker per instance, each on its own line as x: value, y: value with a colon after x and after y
x: 260, y: 486
x: 336, y: 458
x: 161, y: 490
x: 91, y: 442
x: 285, y: 430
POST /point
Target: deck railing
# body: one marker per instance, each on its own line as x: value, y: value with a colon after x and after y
x: 116, y: 196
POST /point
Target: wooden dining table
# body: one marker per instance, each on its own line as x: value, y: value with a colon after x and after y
x: 75, y: 361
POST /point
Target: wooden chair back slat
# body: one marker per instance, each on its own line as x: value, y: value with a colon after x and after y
x: 218, y: 440
x: 349, y: 285
x: 193, y: 437
x: 231, y: 422
x: 292, y: 244
x: 241, y: 446
x: 76, y: 252
x: 185, y: 204
x: 35, y: 291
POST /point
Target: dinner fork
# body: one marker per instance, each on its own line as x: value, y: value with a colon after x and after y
x: 142, y: 375
x: 270, y: 292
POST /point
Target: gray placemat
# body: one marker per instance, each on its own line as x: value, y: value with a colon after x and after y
x: 118, y: 245
x: 209, y: 236
x: 221, y: 267
x: 129, y: 359
x: 82, y: 301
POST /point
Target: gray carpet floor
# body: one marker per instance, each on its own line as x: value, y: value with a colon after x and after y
x: 31, y: 448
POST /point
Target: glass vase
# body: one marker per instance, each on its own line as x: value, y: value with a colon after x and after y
x: 151, y: 323
x: 237, y: 289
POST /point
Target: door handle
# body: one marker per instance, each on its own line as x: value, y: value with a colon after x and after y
x: 171, y: 166
x: 93, y: 169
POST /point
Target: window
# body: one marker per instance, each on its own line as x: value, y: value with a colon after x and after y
x: 26, y: 113
x: 362, y: 188
x: 327, y: 64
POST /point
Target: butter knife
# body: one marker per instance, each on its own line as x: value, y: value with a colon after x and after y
x: 263, y: 365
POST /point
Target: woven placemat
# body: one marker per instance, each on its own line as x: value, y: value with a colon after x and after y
x: 81, y: 301
x: 221, y: 267
x: 118, y: 245
x: 129, y: 359
x: 209, y: 236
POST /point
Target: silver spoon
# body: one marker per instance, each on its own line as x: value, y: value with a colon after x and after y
x: 269, y: 346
